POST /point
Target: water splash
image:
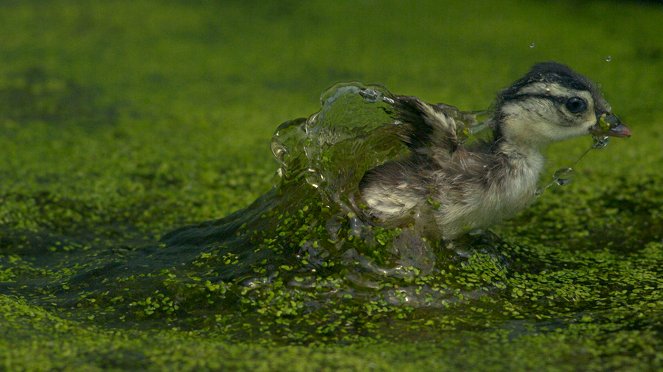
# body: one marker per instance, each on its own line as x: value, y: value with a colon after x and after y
x: 532, y: 45
x: 307, y: 240
x: 311, y: 228
x: 565, y: 176
x: 608, y: 58
x: 355, y: 120
x: 304, y: 252
x: 600, y: 142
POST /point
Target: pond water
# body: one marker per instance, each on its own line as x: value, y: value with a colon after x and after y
x: 125, y: 126
x: 298, y: 253
x: 302, y: 263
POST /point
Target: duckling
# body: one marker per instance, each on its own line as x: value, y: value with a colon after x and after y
x: 449, y: 187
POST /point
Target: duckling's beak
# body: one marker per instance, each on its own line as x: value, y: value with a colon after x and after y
x: 608, y: 124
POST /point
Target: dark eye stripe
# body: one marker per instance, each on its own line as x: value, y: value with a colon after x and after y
x: 556, y: 99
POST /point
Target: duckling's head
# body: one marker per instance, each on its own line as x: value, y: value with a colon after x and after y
x: 551, y: 103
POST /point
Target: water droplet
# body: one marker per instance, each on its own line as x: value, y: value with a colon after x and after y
x: 563, y: 176
x: 600, y: 142
x: 314, y: 178
x: 532, y: 45
x: 356, y: 225
x: 608, y: 58
x: 279, y: 151
x: 370, y: 95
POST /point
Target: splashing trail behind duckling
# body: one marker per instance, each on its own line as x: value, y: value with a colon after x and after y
x: 311, y: 226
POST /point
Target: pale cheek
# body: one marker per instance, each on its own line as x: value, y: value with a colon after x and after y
x: 556, y: 133
x: 588, y: 121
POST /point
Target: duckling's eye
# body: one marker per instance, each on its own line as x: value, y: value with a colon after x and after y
x: 575, y: 105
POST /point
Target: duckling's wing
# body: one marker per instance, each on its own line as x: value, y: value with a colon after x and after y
x: 431, y: 127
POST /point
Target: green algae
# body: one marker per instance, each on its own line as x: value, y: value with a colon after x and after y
x: 101, y: 158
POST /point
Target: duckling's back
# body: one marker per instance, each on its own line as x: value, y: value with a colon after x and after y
x: 445, y: 185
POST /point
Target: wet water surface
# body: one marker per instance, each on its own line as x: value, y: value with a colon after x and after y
x: 304, y: 264
x: 127, y: 129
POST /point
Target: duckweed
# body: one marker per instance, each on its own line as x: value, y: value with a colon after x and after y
x: 125, y: 127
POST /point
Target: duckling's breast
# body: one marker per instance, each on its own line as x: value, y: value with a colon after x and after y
x: 504, y: 190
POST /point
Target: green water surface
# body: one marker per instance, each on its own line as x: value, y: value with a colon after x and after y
x: 123, y: 121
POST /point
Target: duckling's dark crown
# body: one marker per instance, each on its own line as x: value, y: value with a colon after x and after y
x: 549, y: 72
